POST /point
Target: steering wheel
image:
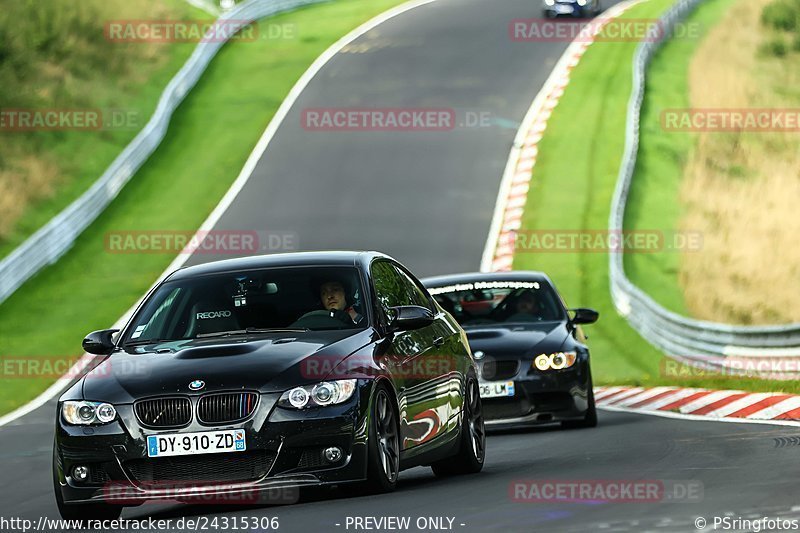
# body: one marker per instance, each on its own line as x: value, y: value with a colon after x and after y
x: 322, y: 319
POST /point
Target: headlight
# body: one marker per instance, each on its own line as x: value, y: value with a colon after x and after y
x: 87, y: 413
x: 581, y: 2
x: 319, y: 395
x: 555, y: 361
x: 549, y: 2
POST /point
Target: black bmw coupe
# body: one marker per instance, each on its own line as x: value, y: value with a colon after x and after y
x: 264, y: 373
x: 532, y: 354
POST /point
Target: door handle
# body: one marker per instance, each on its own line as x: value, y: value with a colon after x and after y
x: 438, y: 341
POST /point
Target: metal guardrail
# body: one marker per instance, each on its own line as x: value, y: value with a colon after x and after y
x: 677, y: 335
x: 50, y: 242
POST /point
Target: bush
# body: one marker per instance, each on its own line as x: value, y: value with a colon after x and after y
x: 782, y: 15
x: 776, y: 47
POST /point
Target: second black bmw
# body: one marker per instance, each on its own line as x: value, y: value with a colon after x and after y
x: 532, y: 354
x: 269, y: 372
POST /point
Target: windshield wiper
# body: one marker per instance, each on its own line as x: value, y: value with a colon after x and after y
x: 247, y: 331
x: 148, y: 341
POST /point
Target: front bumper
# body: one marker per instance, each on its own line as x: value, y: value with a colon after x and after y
x: 539, y: 397
x: 284, y: 450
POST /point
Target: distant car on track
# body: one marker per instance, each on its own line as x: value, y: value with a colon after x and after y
x: 571, y: 8
x: 532, y: 355
x: 269, y: 372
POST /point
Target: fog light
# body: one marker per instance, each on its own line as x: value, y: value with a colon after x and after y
x: 80, y: 473
x: 332, y: 454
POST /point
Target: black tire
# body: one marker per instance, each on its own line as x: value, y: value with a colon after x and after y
x: 472, y: 447
x: 81, y: 511
x: 383, y: 456
x: 590, y: 418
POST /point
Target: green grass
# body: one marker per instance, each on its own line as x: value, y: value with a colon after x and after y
x: 653, y: 202
x: 210, y: 137
x: 68, y: 64
x: 571, y: 189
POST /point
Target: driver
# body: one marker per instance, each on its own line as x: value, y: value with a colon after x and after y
x: 332, y: 294
x: 527, y: 304
x: 526, y: 308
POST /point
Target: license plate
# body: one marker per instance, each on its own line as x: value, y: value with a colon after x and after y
x: 497, y: 389
x: 229, y: 440
x: 564, y: 9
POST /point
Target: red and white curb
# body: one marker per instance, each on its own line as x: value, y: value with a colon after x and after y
x: 702, y: 404
x: 499, y: 250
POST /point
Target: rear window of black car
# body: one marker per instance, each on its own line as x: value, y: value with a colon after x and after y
x: 493, y: 302
x: 238, y: 302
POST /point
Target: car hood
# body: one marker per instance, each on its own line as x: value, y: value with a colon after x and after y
x: 517, y: 340
x: 264, y: 363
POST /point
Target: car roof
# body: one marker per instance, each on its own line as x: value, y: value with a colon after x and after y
x: 468, y: 277
x: 292, y: 259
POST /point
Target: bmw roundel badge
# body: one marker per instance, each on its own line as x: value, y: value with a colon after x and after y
x: 197, y: 384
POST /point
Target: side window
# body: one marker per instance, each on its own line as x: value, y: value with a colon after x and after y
x: 389, y: 287
x: 415, y: 295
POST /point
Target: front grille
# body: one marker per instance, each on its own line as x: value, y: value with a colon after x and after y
x: 552, y: 401
x: 226, y: 407
x: 98, y: 475
x: 312, y: 458
x: 209, y: 468
x: 164, y: 412
x: 501, y: 408
x: 493, y: 370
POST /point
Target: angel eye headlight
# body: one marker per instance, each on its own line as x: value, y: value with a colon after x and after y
x: 83, y: 413
x: 319, y: 395
x: 542, y: 362
x: 555, y: 361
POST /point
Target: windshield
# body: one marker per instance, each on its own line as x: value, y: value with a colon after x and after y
x: 492, y: 302
x: 251, y: 302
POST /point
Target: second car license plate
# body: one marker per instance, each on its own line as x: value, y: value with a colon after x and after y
x: 497, y: 389
x: 230, y: 440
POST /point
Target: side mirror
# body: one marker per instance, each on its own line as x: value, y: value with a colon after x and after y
x: 584, y: 316
x: 99, y: 342
x: 407, y: 317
